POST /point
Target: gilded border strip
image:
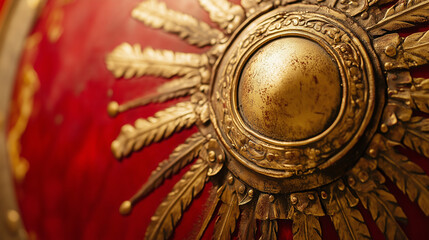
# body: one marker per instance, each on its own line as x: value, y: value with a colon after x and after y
x: 17, y: 24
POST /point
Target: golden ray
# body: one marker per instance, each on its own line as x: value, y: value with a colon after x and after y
x: 213, y: 201
x: 401, y: 15
x: 173, y: 89
x: 228, y: 214
x: 269, y: 229
x: 130, y: 61
x: 408, y: 176
x: 346, y: 218
x: 253, y: 6
x: 416, y: 135
x: 229, y: 16
x: 416, y: 48
x: 306, y: 227
x: 171, y: 209
x: 179, y: 158
x: 368, y: 186
x: 248, y: 226
x: 156, y: 14
x: 154, y: 129
x: 208, y: 79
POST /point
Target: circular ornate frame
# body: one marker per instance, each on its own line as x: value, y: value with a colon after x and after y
x: 306, y: 162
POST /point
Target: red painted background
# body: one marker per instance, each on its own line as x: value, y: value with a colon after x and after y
x: 74, y: 186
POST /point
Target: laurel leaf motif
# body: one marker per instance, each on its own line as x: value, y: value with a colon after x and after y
x: 402, y: 15
x: 416, y: 48
x: 306, y: 227
x: 228, y: 215
x: 213, y: 201
x: 408, y: 176
x: 172, y: 207
x: 248, y: 225
x: 346, y: 218
x: 269, y: 230
x: 416, y: 135
x: 180, y: 157
x: 368, y: 185
x: 173, y: 89
x: 156, y: 15
x: 130, y: 61
x: 226, y: 14
x: 385, y: 211
x: 419, y: 100
x: 154, y: 129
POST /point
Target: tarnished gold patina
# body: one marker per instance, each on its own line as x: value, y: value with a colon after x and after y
x: 299, y: 106
x: 282, y: 86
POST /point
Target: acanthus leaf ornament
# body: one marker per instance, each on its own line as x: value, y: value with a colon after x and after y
x: 179, y: 158
x: 271, y: 157
x: 401, y: 15
x: 306, y: 227
x: 156, y: 14
x: 229, y: 16
x: 171, y: 209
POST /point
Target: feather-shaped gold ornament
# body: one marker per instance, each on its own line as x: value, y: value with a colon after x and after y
x: 171, y: 209
x: 269, y: 230
x: 226, y: 14
x: 416, y: 135
x: 385, y: 211
x: 131, y: 61
x: 346, y: 218
x: 228, y: 214
x: 154, y: 129
x: 306, y: 227
x: 416, y: 47
x: 156, y: 14
x: 180, y: 157
x: 408, y: 176
x: 248, y: 225
x: 402, y: 15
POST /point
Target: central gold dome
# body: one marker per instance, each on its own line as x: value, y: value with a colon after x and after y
x: 290, y: 89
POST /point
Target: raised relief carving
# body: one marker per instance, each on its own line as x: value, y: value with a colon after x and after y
x: 300, y: 105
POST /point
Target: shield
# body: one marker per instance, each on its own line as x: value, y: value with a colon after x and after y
x: 214, y: 119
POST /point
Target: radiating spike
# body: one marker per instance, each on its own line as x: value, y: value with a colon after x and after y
x: 154, y: 129
x: 306, y: 227
x: 416, y: 135
x: 269, y: 230
x: 229, y: 211
x: 130, y: 61
x: 402, y: 15
x: 253, y: 6
x: 172, y: 207
x: 408, y: 176
x: 385, y: 211
x: 170, y: 90
x: 368, y: 185
x: 213, y: 201
x: 156, y: 14
x: 228, y: 215
x: 228, y: 15
x: 179, y: 158
x: 416, y: 47
x: 347, y: 220
x: 248, y: 224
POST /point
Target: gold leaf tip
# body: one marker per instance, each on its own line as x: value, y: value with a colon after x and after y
x: 127, y: 129
x: 116, y: 149
x: 125, y: 208
x: 113, y: 109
